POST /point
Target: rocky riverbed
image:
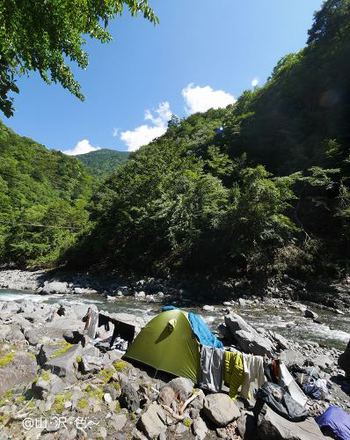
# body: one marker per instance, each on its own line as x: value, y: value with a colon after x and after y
x: 54, y: 387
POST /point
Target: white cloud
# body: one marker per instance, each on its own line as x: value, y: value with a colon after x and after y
x: 255, y: 82
x: 82, y: 147
x: 201, y: 99
x: 146, y: 133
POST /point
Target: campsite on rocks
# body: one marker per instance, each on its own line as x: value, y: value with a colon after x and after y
x: 186, y: 274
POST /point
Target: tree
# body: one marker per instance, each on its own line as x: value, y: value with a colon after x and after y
x: 43, y: 35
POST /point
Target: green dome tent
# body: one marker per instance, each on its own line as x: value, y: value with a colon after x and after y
x: 167, y: 343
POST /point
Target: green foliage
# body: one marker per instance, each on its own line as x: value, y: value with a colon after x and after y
x: 43, y: 196
x: 42, y: 35
x: 103, y: 162
x: 269, y: 194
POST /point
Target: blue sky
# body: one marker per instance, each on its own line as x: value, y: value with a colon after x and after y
x: 203, y: 54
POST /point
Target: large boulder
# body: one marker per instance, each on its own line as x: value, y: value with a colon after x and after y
x: 235, y: 323
x: 271, y: 426
x: 64, y: 362
x: 152, y: 422
x: 220, y: 409
x: 344, y: 361
x: 16, y: 368
x: 247, y: 338
x: 182, y: 387
x: 254, y: 343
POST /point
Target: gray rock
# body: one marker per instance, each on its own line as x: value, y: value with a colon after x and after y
x: 72, y: 336
x: 344, y: 360
x: 199, y: 428
x: 152, y: 422
x: 129, y: 398
x: 281, y: 341
x: 208, y: 308
x: 118, y: 421
x: 271, y: 426
x: 183, y: 387
x: 48, y: 385
x: 247, y: 338
x: 290, y: 357
x: 235, y: 323
x: 47, y: 351
x: 20, y: 369
x: 91, y: 359
x: 322, y: 361
x: 246, y: 425
x: 310, y: 314
x: 65, y: 365
x: 254, y: 343
x: 166, y: 395
x: 56, y: 287
x: 220, y: 409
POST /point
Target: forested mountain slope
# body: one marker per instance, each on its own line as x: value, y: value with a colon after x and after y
x: 43, y: 195
x: 102, y: 163
x: 267, y: 195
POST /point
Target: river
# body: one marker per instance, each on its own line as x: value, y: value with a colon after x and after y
x: 332, y: 332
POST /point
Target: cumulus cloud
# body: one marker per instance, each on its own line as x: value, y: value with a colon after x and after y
x: 82, y: 147
x: 157, y: 123
x: 255, y: 82
x: 201, y: 99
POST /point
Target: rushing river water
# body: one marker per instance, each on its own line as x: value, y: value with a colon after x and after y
x: 333, y: 332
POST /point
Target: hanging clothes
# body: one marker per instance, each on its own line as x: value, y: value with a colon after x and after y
x: 211, y: 364
x: 233, y: 371
x: 253, y: 374
x: 293, y: 388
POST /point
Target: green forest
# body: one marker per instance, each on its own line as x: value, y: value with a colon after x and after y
x: 103, y: 162
x: 258, y: 189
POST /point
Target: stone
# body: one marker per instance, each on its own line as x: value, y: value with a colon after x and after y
x: 91, y: 359
x: 199, y: 428
x: 344, y: 361
x: 310, y: 314
x: 281, y: 341
x: 166, y: 395
x: 47, y: 384
x: 271, y: 426
x: 220, y: 409
x: 235, y: 323
x: 151, y: 422
x: 322, y: 361
x: 208, y: 308
x: 183, y: 387
x: 292, y: 357
x: 72, y: 336
x: 18, y: 368
x: 247, y: 338
x: 253, y: 343
x: 129, y: 398
x: 65, y: 365
x: 246, y: 425
x: 56, y: 287
x: 118, y: 421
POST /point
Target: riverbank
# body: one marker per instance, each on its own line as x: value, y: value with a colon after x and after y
x: 47, y: 373
x: 45, y: 282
